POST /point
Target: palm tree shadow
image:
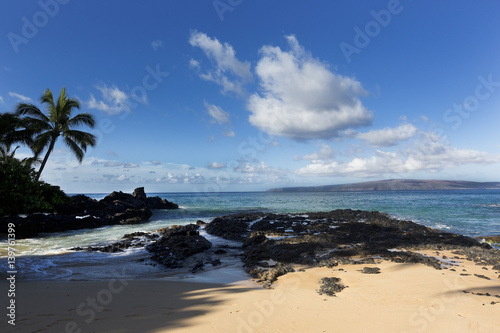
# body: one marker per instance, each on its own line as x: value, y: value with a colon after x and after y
x: 142, y: 306
x: 492, y: 292
x: 173, y: 310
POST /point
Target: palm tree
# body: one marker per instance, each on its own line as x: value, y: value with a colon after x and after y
x: 13, y: 130
x: 57, y: 123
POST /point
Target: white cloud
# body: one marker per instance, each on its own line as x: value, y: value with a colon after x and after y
x: 228, y: 71
x: 194, y: 64
x: 1, y: 99
x: 120, y: 164
x: 114, y: 164
x: 156, y: 44
x: 122, y: 177
x: 388, y: 136
x: 229, y: 133
x: 114, y: 100
x: 20, y: 97
x: 255, y: 167
x: 301, y: 98
x: 216, y: 165
x: 326, y: 152
x: 429, y: 153
x: 218, y: 115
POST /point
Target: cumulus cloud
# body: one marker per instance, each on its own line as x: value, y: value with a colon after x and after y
x: 114, y: 101
x: 184, y: 178
x: 218, y: 115
x: 156, y: 44
x: 256, y: 167
x: 388, y: 136
x: 216, y: 165
x: 227, y: 71
x: 429, y: 153
x: 326, y: 152
x: 20, y: 97
x: 301, y: 98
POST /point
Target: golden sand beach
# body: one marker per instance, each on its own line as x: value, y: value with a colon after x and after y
x: 402, y: 298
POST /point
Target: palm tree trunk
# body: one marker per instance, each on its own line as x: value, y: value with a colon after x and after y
x: 51, y: 147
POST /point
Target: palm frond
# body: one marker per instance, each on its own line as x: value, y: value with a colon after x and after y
x: 41, y: 141
x: 12, y: 130
x: 74, y: 147
x: 48, y: 98
x: 72, y: 103
x: 83, y: 139
x: 30, y: 110
x: 36, y: 125
x: 82, y: 119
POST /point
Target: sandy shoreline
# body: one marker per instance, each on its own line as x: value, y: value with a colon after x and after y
x: 403, y: 298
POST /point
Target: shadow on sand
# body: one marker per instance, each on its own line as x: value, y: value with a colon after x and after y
x: 112, y: 306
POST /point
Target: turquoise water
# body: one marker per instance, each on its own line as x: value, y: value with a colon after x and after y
x: 472, y: 213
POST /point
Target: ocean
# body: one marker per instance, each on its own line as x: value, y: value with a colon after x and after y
x: 468, y: 212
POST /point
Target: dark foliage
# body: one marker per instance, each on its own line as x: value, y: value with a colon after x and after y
x: 21, y: 193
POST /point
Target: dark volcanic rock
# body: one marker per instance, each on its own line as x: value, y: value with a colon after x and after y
x: 133, y: 240
x: 330, y: 286
x: 341, y: 236
x: 80, y: 205
x: 268, y: 276
x: 176, y: 244
x: 232, y: 227
x: 480, y: 254
x: 158, y: 203
x: 370, y: 270
x: 82, y: 212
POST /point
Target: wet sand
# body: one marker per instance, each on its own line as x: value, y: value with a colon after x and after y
x: 402, y: 298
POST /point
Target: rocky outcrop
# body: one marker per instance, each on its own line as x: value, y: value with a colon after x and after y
x: 133, y: 240
x: 176, y: 244
x: 232, y: 227
x: 370, y: 270
x: 267, y: 276
x: 82, y: 212
x: 271, y: 244
x: 339, y: 237
x: 330, y: 286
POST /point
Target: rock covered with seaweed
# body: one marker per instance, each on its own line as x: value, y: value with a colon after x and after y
x: 271, y: 245
x: 340, y: 236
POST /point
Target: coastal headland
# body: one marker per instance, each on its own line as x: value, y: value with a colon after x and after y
x: 396, y: 185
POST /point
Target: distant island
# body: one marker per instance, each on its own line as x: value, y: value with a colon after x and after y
x: 396, y: 185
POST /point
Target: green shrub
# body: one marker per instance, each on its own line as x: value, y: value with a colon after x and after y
x: 21, y: 193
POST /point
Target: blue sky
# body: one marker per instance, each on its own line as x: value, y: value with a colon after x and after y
x: 236, y: 95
